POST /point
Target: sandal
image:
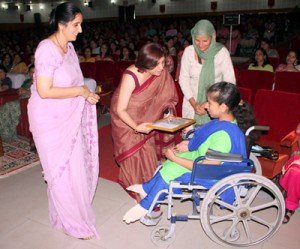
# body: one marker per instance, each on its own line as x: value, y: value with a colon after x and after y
x: 287, y: 216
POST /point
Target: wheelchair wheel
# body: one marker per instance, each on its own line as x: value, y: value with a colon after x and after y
x: 254, y: 216
x: 160, y: 236
x: 257, y: 165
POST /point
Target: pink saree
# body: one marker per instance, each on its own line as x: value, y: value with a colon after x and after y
x: 65, y: 135
x: 136, y: 153
x: 290, y: 181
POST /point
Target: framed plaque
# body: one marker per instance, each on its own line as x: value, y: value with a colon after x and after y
x: 172, y: 124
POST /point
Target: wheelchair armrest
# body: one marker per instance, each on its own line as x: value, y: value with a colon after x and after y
x: 219, y: 156
x: 224, y: 157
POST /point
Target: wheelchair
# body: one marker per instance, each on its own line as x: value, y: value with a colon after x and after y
x: 235, y: 206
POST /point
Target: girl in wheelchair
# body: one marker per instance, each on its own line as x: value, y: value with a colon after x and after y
x: 224, y: 133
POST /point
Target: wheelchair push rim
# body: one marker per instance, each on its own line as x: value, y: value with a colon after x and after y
x: 254, y: 216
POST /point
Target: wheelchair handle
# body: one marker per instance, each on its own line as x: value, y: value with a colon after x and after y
x: 258, y: 128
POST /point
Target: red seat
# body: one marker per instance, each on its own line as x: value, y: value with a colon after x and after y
x: 105, y: 71
x: 237, y: 74
x: 255, y: 80
x: 120, y: 67
x: 287, y: 82
x: 88, y: 69
x: 280, y: 111
x: 282, y: 54
x: 246, y: 94
x: 274, y: 62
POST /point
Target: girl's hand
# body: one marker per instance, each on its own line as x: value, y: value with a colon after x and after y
x: 181, y: 147
x: 170, y: 154
x: 143, y: 128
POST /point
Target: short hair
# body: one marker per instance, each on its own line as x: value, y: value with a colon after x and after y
x: 63, y: 14
x: 148, y: 56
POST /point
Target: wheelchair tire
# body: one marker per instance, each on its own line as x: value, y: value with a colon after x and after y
x: 252, y: 217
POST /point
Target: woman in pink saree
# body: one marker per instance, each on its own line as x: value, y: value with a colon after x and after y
x: 62, y: 118
x: 290, y: 180
x: 145, y: 92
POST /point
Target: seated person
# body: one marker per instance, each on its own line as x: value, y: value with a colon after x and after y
x: 169, y: 62
x: 261, y: 61
x: 105, y: 54
x: 7, y: 61
x: 290, y: 181
x: 87, y: 56
x: 292, y: 61
x: 222, y: 134
x: 127, y: 54
x: 24, y: 91
x: 5, y: 82
x: 265, y: 43
x: 18, y: 65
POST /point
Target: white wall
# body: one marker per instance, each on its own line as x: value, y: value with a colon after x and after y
x: 105, y: 9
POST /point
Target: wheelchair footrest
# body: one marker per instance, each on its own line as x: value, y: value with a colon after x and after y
x: 152, y: 219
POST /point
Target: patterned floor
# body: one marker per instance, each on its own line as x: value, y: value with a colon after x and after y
x: 17, y: 157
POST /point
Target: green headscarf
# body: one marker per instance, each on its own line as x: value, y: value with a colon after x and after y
x: 207, y: 75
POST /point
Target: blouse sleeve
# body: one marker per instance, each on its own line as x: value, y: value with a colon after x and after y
x: 184, y: 76
x: 226, y: 66
x: 45, y: 59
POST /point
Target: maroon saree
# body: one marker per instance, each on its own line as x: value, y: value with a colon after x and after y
x: 136, y: 153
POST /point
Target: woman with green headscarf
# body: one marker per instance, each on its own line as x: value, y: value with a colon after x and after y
x: 204, y: 63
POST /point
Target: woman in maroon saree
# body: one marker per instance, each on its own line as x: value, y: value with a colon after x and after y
x: 145, y: 92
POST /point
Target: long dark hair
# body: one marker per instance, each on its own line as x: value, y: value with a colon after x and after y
x: 266, y: 60
x: 149, y: 56
x: 63, y: 14
x: 229, y: 94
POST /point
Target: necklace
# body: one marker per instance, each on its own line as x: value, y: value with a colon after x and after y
x: 65, y: 51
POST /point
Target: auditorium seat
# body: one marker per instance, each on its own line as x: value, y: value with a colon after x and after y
x: 280, y: 111
x: 287, y: 82
x: 255, y: 80
x: 274, y: 61
x: 246, y: 94
x: 88, y: 69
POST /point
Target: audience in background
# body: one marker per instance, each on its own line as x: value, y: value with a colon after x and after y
x: 87, y: 56
x: 18, y: 65
x: 127, y: 54
x: 105, y: 54
x: 7, y: 61
x: 169, y: 62
x: 261, y: 61
x: 292, y: 61
x: 265, y: 43
x: 162, y: 30
x: 24, y: 90
x: 5, y: 82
